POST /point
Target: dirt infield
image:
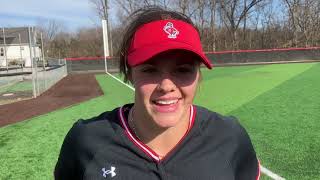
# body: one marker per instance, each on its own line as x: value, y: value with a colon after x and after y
x: 72, y: 89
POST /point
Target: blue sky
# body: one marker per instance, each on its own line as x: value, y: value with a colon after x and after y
x: 72, y: 14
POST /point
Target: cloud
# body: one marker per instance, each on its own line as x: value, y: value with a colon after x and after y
x: 73, y: 13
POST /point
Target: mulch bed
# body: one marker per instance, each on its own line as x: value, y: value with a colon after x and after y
x: 74, y: 88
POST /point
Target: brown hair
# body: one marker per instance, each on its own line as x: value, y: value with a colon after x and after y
x: 141, y: 17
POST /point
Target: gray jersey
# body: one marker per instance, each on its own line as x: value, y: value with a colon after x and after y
x: 215, y: 147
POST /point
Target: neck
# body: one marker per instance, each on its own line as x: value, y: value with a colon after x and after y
x: 161, y: 140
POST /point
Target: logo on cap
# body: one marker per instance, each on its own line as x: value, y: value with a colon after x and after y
x: 170, y: 30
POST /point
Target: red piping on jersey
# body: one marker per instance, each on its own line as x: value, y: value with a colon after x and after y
x: 258, y: 176
x: 133, y: 139
x: 144, y: 147
x: 191, y: 122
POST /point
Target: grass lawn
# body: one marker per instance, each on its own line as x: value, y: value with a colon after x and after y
x: 18, y: 86
x: 276, y: 103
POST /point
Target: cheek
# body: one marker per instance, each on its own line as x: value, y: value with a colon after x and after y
x: 144, y: 91
x: 190, y: 91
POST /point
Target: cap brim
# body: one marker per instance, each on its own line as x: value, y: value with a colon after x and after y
x: 144, y: 54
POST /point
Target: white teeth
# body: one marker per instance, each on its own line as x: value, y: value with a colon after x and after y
x: 167, y: 102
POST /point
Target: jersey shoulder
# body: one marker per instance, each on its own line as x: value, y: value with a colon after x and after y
x: 82, y: 142
x: 87, y: 134
x: 226, y: 133
x: 220, y: 129
x: 210, y: 120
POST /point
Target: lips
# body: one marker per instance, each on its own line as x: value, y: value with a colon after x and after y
x: 166, y: 105
x: 166, y: 102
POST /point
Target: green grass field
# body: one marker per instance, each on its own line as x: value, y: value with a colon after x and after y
x: 16, y: 87
x: 278, y: 105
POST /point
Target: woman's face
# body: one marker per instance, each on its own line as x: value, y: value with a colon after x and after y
x: 165, y: 88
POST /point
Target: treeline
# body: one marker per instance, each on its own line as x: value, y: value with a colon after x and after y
x: 223, y: 25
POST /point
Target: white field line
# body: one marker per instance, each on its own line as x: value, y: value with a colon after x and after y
x: 270, y: 173
x: 264, y: 170
x: 121, y: 82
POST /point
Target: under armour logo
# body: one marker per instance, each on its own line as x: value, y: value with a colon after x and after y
x: 170, y: 30
x: 106, y: 172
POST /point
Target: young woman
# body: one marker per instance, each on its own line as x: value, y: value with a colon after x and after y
x: 162, y: 135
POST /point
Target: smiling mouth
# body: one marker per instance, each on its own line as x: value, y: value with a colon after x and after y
x: 166, y: 102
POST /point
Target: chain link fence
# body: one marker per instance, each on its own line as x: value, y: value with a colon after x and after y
x: 24, y: 72
x: 225, y: 58
x: 45, y: 76
x: 243, y: 57
x: 32, y: 82
x: 92, y: 65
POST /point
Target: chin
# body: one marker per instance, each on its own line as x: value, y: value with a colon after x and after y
x: 167, y: 119
x: 169, y: 115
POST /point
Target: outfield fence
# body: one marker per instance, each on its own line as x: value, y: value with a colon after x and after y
x: 92, y: 64
x: 221, y: 58
x: 265, y: 56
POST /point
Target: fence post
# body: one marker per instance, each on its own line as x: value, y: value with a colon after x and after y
x: 20, y: 51
x: 5, y: 49
x: 32, y: 65
x: 43, y: 63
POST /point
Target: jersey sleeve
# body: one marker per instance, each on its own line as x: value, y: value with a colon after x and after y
x: 66, y: 167
x: 246, y: 164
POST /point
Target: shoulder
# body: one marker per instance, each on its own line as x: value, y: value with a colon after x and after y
x: 87, y: 135
x: 225, y: 131
x: 83, y: 140
x: 228, y: 134
x: 105, y: 123
x: 210, y: 120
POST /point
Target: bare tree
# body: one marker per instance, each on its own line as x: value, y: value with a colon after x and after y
x: 101, y: 7
x: 59, y: 46
x: 212, y: 7
x: 233, y: 13
x: 50, y: 29
x: 303, y: 16
x: 234, y: 24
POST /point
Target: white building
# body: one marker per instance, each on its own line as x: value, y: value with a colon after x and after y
x: 15, y: 47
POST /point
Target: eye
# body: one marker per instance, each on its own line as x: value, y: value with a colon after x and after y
x: 185, y: 69
x: 148, y: 69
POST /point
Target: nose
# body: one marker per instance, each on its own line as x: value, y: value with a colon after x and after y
x: 166, y: 84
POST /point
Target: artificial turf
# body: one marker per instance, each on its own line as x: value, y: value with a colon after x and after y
x: 230, y: 90
x: 284, y: 125
x: 29, y: 149
x: 18, y: 86
x: 277, y: 104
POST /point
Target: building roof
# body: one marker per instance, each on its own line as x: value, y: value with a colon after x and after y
x: 12, y: 35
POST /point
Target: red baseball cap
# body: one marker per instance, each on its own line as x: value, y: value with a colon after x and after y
x: 160, y: 36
